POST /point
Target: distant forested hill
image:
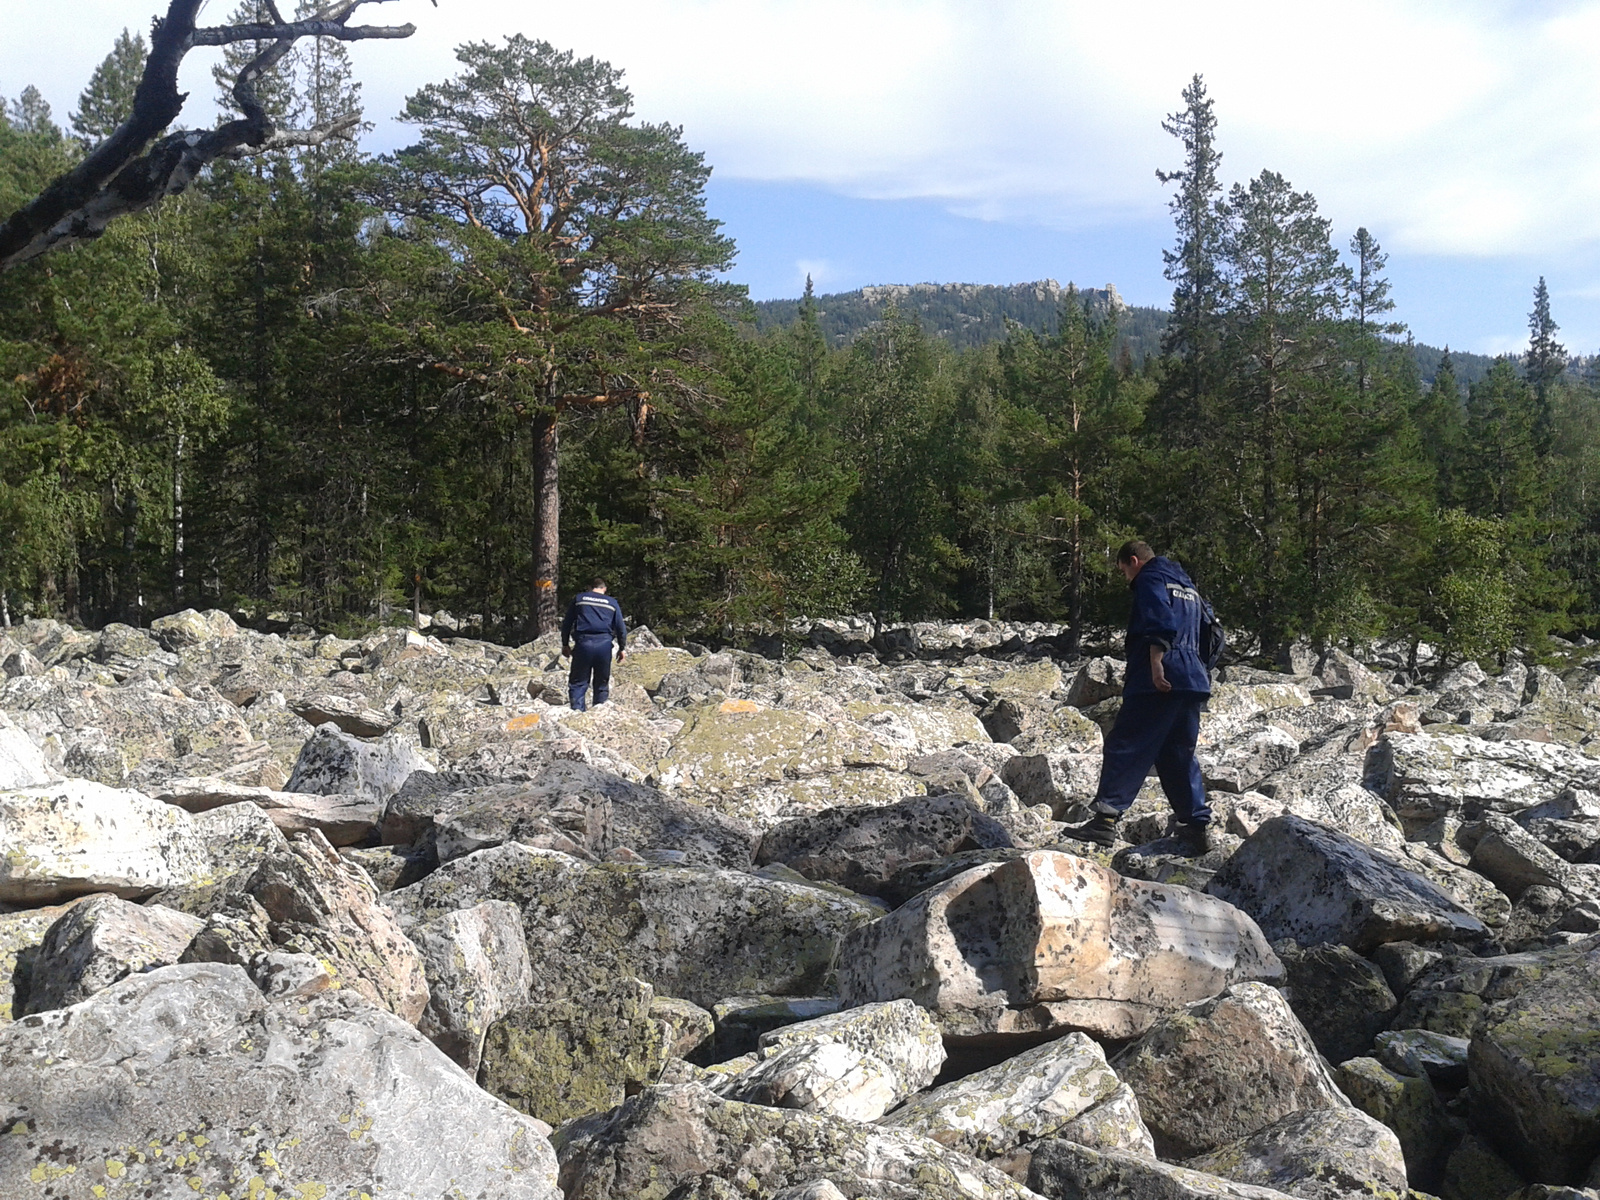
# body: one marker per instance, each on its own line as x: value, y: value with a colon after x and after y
x: 970, y: 314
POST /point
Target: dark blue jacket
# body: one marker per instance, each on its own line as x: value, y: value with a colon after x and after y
x: 1166, y: 613
x: 594, y: 614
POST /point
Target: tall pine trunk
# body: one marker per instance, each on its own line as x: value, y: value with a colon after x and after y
x: 546, y: 521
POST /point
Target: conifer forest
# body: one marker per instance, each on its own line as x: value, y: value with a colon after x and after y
x: 338, y: 388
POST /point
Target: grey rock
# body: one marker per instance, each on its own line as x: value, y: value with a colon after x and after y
x: 1535, y: 1070
x: 1244, y: 1051
x: 333, y: 763
x: 350, y: 713
x: 1402, y: 962
x: 1323, y: 1154
x: 858, y: 1063
x: 343, y: 820
x: 1305, y: 881
x: 693, y: 932
x: 1407, y: 1105
x: 668, y: 1137
x: 1049, y: 941
x: 1439, y: 1056
x: 1342, y: 999
x: 1239, y: 764
x: 1060, y: 1089
x: 157, y: 1059
x: 863, y: 848
x: 476, y: 964
x: 22, y: 764
x: 1476, y: 1171
x: 100, y: 941
x: 1098, y: 679
x: 1065, y: 1169
x: 594, y: 810
x: 740, y: 1021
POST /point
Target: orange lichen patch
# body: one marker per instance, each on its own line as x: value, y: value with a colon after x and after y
x: 518, y: 724
x: 738, y: 706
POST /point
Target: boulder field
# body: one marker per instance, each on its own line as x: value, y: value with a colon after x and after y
x: 295, y: 917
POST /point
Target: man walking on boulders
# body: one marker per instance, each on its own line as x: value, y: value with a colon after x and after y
x: 594, y: 619
x: 1166, y: 688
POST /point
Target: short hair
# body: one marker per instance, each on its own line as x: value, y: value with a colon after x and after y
x: 597, y: 582
x: 1135, y: 550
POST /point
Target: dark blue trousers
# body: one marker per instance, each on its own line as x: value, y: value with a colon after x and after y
x: 1157, y: 730
x: 591, y: 657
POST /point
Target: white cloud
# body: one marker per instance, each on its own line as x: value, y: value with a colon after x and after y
x: 1465, y: 128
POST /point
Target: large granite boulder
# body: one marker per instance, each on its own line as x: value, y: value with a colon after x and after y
x: 593, y: 809
x: 75, y: 837
x: 1534, y: 1068
x: 100, y: 941
x: 22, y: 764
x: 858, y: 1063
x: 1240, y: 763
x: 187, y: 1080
x: 697, y: 933
x: 476, y: 964
x: 1244, y: 1052
x: 310, y: 901
x: 335, y: 763
x: 1060, y: 1089
x: 1305, y: 881
x: 1407, y: 1105
x: 343, y: 820
x: 862, y: 848
x: 667, y: 1138
x: 21, y: 935
x: 1062, y: 1169
x: 1049, y: 941
x: 574, y: 1056
x: 1318, y: 1154
x: 1342, y: 999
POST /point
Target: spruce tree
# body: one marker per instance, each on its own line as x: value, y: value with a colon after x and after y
x: 1545, y: 361
x: 108, y: 100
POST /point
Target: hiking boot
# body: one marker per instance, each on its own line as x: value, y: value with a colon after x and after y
x: 1193, y: 840
x: 1101, y: 829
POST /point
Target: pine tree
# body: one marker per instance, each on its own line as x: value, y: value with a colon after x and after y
x: 1438, y: 420
x: 30, y: 114
x: 1545, y: 361
x: 1192, y: 335
x: 1369, y: 301
x: 108, y: 100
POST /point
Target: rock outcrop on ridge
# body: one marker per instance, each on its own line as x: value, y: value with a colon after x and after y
x: 311, y: 917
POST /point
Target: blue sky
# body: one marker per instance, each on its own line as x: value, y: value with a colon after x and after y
x: 996, y: 141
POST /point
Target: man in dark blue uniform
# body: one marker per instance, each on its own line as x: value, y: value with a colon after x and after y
x: 593, y: 619
x: 1166, y: 688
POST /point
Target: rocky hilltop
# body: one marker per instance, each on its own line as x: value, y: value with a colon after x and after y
x: 302, y: 918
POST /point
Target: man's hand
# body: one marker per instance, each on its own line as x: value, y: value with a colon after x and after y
x: 622, y: 656
x: 1158, y: 674
x: 566, y: 650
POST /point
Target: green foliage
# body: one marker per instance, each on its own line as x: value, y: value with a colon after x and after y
x: 108, y: 100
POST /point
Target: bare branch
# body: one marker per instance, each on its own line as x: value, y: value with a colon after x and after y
x: 126, y: 174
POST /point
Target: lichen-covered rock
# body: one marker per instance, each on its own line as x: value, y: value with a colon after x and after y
x: 343, y: 820
x: 591, y: 808
x: 310, y: 901
x: 1440, y: 1057
x: 1059, y: 1168
x: 1323, y: 1154
x: 476, y: 964
x: 75, y: 837
x: 1058, y: 731
x: 694, y: 932
x: 1409, y: 1107
x: 332, y: 762
x: 1342, y: 999
x: 1514, y: 860
x: 862, y: 848
x: 21, y: 934
x: 571, y: 1057
x: 1305, y: 881
x: 1098, y: 679
x: 186, y: 629
x: 1426, y: 776
x: 187, y: 1080
x: 1244, y: 1052
x: 1240, y: 763
x: 740, y: 1021
x: 858, y: 1063
x: 1051, y: 941
x: 1535, y: 1071
x: 1476, y: 1171
x: 22, y: 764
x: 1060, y: 1089
x: 669, y: 1137
x: 100, y: 941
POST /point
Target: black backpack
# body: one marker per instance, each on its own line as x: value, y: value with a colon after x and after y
x: 1213, y: 637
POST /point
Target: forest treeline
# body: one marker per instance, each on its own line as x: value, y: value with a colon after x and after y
x: 471, y: 374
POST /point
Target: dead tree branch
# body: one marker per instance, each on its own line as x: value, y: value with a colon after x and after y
x: 126, y: 173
